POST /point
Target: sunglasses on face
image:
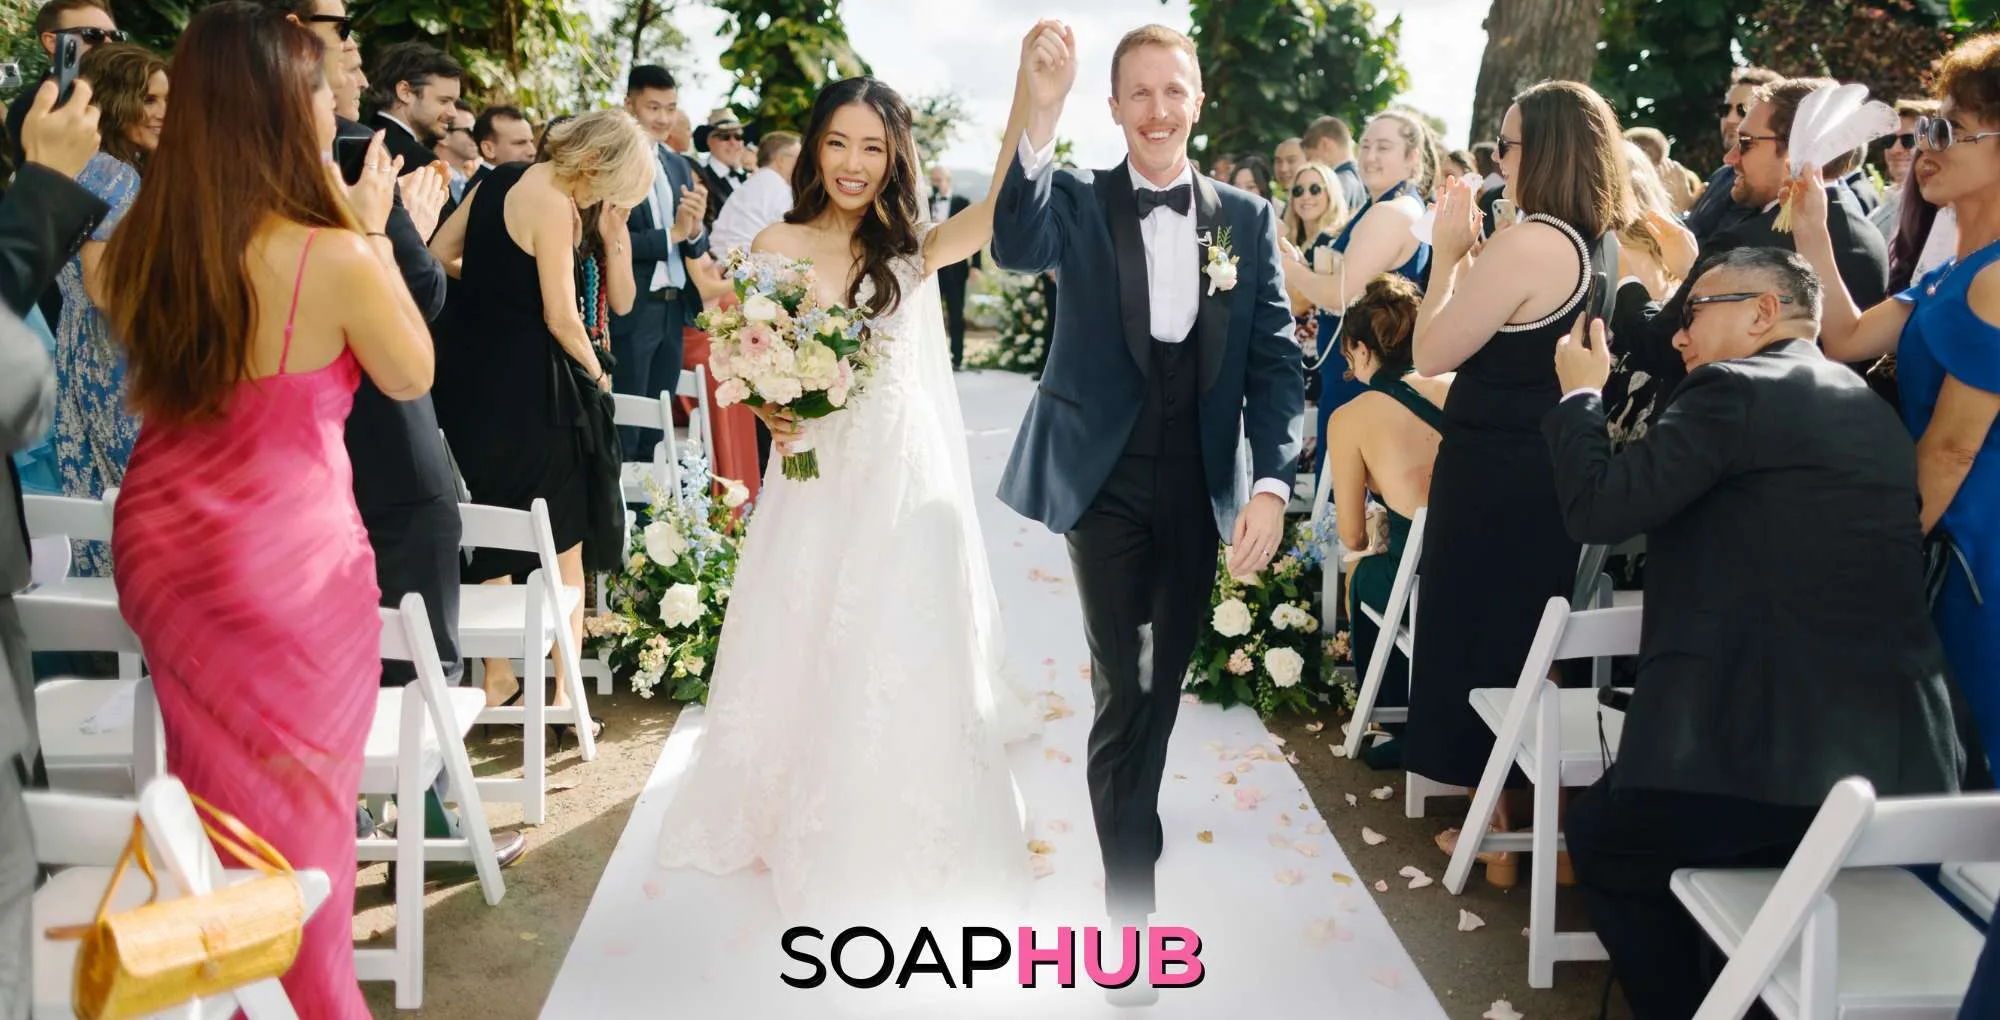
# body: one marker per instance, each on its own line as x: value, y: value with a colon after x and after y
x: 1302, y: 190
x: 1744, y: 143
x: 1936, y: 134
x: 1906, y: 140
x: 727, y: 136
x: 1688, y: 309
x: 1737, y: 110
x: 1503, y: 145
x: 343, y: 26
x: 95, y: 36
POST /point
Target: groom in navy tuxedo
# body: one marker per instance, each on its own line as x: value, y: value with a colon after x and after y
x: 1162, y: 364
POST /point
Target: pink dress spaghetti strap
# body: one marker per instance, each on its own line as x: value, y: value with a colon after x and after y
x: 243, y: 567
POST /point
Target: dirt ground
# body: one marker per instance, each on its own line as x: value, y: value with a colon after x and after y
x: 498, y: 963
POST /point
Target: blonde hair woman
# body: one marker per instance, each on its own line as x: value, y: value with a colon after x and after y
x: 1639, y: 253
x: 1314, y: 213
x: 516, y: 337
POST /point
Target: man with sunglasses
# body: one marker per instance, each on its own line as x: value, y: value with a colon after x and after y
x: 1715, y: 209
x: 1785, y: 610
x: 1899, y: 151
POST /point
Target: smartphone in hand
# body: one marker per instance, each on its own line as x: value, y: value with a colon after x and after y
x: 69, y: 57
x: 351, y: 154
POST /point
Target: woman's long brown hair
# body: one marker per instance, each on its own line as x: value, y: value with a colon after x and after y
x: 119, y: 76
x: 888, y: 230
x: 238, y: 151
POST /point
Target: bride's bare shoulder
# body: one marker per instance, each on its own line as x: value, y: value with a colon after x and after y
x: 786, y: 239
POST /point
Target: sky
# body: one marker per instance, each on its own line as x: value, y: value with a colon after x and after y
x: 973, y: 47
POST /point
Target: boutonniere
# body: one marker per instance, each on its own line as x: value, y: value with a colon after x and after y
x: 1221, y: 268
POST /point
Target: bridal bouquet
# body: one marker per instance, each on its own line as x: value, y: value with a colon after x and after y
x: 778, y: 348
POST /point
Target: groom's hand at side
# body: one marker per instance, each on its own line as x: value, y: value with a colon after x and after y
x: 1260, y: 527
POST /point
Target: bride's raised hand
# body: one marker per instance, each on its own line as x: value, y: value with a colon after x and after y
x: 1048, y: 63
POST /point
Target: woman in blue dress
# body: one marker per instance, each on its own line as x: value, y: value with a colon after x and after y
x: 94, y: 431
x: 1945, y: 333
x: 1399, y: 163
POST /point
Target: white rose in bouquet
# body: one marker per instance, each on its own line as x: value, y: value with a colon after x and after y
x: 1232, y: 618
x: 680, y: 606
x: 816, y: 365
x: 780, y: 389
x: 758, y: 308
x: 1285, y: 665
x: 733, y: 392
x: 664, y: 543
x: 1290, y: 617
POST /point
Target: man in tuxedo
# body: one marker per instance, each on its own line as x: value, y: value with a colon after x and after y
x: 953, y: 278
x: 667, y: 230
x: 1644, y: 329
x: 458, y: 149
x: 1717, y: 206
x: 414, y: 93
x: 44, y: 219
x: 722, y: 141
x: 1134, y: 446
x: 1330, y: 143
x: 1765, y: 651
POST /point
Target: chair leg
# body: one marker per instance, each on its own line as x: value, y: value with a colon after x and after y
x: 1542, y: 862
x: 1492, y: 782
x: 410, y: 888
x: 534, y: 741
x: 568, y: 648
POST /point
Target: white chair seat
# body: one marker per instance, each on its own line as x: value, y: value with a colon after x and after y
x: 1903, y: 951
x: 1581, y: 758
x: 86, y: 733
x: 379, y: 760
x: 101, y: 589
x: 490, y: 615
x: 1620, y: 599
x: 1976, y: 885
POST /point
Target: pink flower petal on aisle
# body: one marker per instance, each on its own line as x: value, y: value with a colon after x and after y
x: 1381, y: 885
x: 1057, y: 825
x: 1501, y: 1010
x: 1316, y: 829
x: 758, y: 867
x: 1242, y: 768
x: 1048, y: 662
x: 1384, y: 793
x: 1420, y: 881
x: 1056, y: 754
x: 1320, y: 932
x: 1213, y: 746
x: 1083, y: 671
x: 1352, y: 800
x: 1371, y: 837
x: 1040, y: 867
x: 1278, y: 740
x: 1339, y: 750
x: 1292, y: 756
x: 652, y: 890
x: 1228, y: 778
x: 1248, y: 797
x: 1289, y: 876
x: 1469, y: 921
x: 1285, y: 820
x: 1278, y: 840
x: 1189, y: 699
x: 1305, y: 849
x: 1387, y: 978
x: 1315, y: 727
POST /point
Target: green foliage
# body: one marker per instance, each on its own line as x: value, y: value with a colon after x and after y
x: 1270, y: 66
x: 154, y: 24
x: 1666, y: 63
x: 532, y: 53
x: 782, y: 53
x: 1254, y: 627
x: 1020, y: 316
x: 639, y: 32
x: 1887, y: 45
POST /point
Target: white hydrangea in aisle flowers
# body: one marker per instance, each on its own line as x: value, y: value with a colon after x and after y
x: 780, y: 349
x: 1285, y: 665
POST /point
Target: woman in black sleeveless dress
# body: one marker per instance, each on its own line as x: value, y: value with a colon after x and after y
x: 504, y: 392
x: 1495, y: 549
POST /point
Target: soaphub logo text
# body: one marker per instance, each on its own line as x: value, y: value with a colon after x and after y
x: 1172, y: 957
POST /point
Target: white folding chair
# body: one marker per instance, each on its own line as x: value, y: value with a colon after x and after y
x: 1552, y: 735
x: 700, y: 430
x: 646, y: 413
x: 412, y: 740
x: 85, y: 836
x: 1843, y: 930
x: 1974, y: 884
x: 97, y: 736
x: 1395, y: 631
x: 521, y: 622
x: 53, y: 523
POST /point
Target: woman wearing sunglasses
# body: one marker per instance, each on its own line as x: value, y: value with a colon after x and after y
x: 1945, y: 333
x: 1399, y: 164
x: 1312, y: 219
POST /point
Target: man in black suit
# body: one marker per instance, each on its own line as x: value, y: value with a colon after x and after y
x: 1785, y: 610
x: 1330, y: 143
x: 414, y: 93
x: 43, y: 221
x: 1643, y: 329
x: 722, y: 142
x: 1716, y: 207
x: 667, y: 230
x: 953, y: 278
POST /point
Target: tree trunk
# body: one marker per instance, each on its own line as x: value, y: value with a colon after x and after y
x: 1529, y: 41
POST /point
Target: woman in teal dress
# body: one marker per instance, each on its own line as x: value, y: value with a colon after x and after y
x: 1945, y: 333
x: 94, y: 431
x: 1381, y: 445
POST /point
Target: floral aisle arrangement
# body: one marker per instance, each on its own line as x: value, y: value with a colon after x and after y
x: 778, y: 347
x: 1262, y: 646
x: 1023, y: 324
x: 666, y: 609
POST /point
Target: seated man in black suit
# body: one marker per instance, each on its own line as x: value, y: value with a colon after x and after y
x: 1643, y: 330
x: 1788, y: 643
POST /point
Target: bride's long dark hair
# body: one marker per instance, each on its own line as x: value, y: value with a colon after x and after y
x: 888, y: 229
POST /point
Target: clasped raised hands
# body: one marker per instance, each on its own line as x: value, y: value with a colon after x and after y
x: 1048, y: 63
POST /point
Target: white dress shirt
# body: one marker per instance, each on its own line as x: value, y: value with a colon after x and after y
x: 764, y: 199
x: 1173, y: 265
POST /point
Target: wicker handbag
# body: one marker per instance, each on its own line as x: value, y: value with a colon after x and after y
x: 164, y: 954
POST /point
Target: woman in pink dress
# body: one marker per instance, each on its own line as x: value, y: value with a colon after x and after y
x: 252, y: 288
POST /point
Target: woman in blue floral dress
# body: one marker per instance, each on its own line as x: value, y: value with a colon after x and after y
x: 94, y: 431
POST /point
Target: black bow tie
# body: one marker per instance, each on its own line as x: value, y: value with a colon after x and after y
x: 1179, y: 198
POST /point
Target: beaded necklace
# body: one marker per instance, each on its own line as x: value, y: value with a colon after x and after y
x: 594, y: 303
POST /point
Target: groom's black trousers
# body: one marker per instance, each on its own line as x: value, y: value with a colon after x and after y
x: 1144, y: 555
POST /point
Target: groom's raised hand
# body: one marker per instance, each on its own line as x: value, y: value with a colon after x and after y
x: 1048, y: 70
x: 1260, y: 527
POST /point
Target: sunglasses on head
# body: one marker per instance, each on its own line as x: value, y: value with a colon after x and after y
x: 1503, y: 146
x: 1936, y: 134
x: 1727, y: 109
x: 343, y: 26
x: 1302, y: 190
x: 95, y: 36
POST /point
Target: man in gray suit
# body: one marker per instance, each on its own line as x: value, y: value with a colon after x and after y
x: 43, y: 220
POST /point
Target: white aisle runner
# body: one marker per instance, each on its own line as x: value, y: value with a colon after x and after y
x: 1248, y: 865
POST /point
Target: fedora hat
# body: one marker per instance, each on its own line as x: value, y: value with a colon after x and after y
x: 724, y: 123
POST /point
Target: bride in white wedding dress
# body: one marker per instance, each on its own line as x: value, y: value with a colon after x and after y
x: 857, y: 721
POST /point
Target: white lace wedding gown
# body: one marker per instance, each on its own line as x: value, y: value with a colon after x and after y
x: 857, y: 716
